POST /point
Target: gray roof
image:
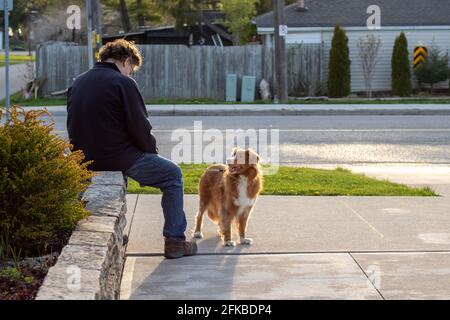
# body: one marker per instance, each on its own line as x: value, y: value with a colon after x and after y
x: 352, y: 13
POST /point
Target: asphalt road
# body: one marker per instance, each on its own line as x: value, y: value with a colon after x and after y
x: 319, y: 139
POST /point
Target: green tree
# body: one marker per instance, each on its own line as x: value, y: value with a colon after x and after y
x: 143, y: 12
x: 401, y: 74
x: 239, y: 15
x: 136, y: 13
x: 190, y: 12
x: 339, y: 65
x: 264, y: 6
x: 435, y: 69
x: 19, y: 16
x: 187, y: 12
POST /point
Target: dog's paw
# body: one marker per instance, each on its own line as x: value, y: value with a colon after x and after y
x: 246, y: 241
x: 198, y: 235
x: 230, y: 244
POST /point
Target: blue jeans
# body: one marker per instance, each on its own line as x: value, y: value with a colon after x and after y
x: 155, y: 171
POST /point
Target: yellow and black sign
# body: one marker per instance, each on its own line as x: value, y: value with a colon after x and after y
x: 96, y: 44
x: 420, y: 55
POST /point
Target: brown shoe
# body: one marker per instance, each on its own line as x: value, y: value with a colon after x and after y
x: 174, y: 248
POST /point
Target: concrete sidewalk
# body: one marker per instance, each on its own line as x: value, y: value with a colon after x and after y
x: 286, y: 109
x: 304, y: 248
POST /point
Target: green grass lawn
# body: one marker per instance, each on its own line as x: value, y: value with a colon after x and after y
x: 16, y: 99
x: 15, y: 59
x: 304, y: 182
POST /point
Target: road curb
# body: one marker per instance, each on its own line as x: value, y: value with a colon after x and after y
x: 281, y: 110
x: 301, y: 113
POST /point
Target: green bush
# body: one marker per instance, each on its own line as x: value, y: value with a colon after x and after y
x: 401, y: 72
x: 435, y: 69
x: 339, y: 65
x: 40, y: 183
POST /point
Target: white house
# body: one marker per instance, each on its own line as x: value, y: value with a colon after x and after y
x: 425, y: 22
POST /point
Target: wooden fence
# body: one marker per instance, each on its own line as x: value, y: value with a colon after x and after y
x: 180, y: 72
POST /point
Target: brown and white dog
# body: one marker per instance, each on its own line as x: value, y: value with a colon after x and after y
x: 228, y: 193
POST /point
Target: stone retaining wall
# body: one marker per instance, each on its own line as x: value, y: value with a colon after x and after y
x: 90, y: 266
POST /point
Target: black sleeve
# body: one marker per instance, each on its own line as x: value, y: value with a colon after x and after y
x: 136, y: 117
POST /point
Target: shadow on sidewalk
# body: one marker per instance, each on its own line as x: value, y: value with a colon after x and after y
x: 205, y: 276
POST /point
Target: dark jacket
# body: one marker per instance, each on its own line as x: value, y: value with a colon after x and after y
x: 107, y: 119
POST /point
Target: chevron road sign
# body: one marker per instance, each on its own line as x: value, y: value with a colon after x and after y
x: 420, y: 55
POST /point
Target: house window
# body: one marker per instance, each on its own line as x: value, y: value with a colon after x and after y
x: 313, y: 37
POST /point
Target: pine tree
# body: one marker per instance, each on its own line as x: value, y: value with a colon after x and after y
x: 401, y: 74
x: 435, y: 69
x: 339, y: 66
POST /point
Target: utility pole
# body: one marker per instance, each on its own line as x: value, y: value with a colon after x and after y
x: 280, y: 32
x: 7, y: 6
x: 89, y: 33
x: 96, y: 16
x: 97, y: 27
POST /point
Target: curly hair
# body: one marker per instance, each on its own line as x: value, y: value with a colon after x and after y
x: 121, y: 50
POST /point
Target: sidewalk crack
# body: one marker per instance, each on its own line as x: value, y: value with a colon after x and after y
x: 368, y: 279
x: 362, y: 218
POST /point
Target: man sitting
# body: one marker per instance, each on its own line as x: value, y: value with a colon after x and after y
x: 108, y: 121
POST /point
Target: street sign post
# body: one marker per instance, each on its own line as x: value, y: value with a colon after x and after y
x: 283, y: 30
x: 6, y: 6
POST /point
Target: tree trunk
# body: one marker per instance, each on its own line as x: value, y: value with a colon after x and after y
x: 125, y: 16
x: 140, y: 15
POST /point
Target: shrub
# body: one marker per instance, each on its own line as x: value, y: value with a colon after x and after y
x: 435, y: 69
x: 339, y: 65
x: 40, y: 183
x: 401, y: 70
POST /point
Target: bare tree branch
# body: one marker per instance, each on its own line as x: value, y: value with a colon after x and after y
x: 369, y: 47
